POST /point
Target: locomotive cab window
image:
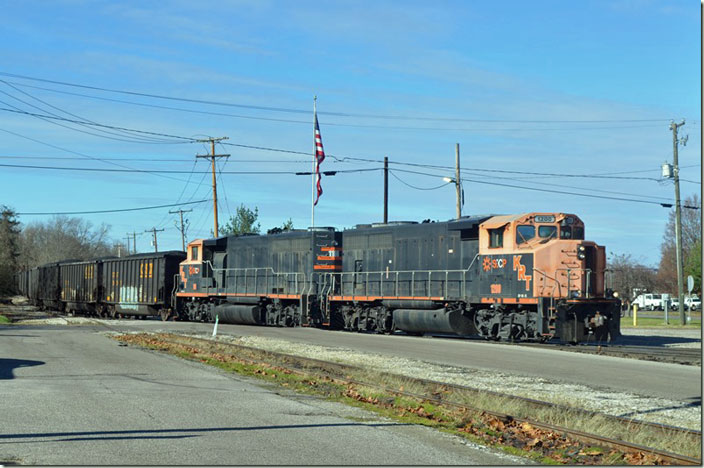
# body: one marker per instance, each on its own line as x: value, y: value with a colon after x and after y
x: 194, y: 252
x: 496, y: 237
x: 565, y: 232
x: 524, y: 233
x: 547, y: 232
x: 578, y: 232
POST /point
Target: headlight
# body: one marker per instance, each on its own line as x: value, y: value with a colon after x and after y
x: 581, y: 255
x: 576, y: 293
x: 582, y: 248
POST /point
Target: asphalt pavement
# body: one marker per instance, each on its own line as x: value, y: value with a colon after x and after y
x: 71, y: 395
x: 653, y: 379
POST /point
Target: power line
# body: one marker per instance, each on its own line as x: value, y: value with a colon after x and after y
x: 80, y: 154
x: 186, y: 139
x: 477, y: 181
x: 337, y: 124
x: 189, y: 139
x: 302, y: 111
x: 114, y: 211
x: 157, y: 160
x: 164, y: 171
x: 337, y: 158
x: 417, y: 188
x: 118, y: 133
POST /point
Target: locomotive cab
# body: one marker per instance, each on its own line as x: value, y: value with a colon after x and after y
x: 542, y: 259
x: 191, y: 270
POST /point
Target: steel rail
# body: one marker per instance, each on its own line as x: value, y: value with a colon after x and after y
x: 342, y: 368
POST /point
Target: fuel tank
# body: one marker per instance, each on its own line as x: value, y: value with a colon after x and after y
x: 433, y: 321
x: 239, y: 314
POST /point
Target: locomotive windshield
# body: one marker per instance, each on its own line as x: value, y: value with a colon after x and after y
x: 524, y: 233
x: 576, y: 232
x: 547, y: 232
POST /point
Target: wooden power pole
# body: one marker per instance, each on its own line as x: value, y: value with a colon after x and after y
x: 215, y: 189
x: 182, y: 229
x: 154, y: 231
x: 134, y: 240
x: 678, y: 218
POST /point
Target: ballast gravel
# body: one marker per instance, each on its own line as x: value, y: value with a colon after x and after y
x: 645, y: 408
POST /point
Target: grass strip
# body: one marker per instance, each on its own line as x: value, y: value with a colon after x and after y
x: 477, y: 426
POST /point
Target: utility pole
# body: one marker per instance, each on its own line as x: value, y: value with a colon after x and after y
x: 183, y: 231
x: 457, y: 180
x: 678, y: 217
x: 134, y: 240
x: 128, y: 243
x: 154, y: 231
x: 386, y: 189
x: 215, y: 189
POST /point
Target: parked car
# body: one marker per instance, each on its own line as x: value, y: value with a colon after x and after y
x: 690, y: 303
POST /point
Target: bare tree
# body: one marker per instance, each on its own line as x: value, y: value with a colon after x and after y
x: 64, y: 238
x: 691, y: 235
x: 629, y: 276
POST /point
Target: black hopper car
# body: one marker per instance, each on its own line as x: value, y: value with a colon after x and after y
x: 137, y: 285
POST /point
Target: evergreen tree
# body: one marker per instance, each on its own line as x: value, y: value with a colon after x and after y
x: 244, y: 222
x: 9, y: 249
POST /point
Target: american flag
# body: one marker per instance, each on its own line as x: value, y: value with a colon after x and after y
x: 319, y: 158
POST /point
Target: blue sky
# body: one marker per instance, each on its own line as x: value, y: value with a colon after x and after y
x: 505, y: 80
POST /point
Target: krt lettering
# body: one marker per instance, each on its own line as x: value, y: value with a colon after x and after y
x: 521, y: 269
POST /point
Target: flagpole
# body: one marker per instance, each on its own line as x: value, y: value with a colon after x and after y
x: 313, y: 174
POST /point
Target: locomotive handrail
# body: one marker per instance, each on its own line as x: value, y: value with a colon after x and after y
x: 369, y: 277
x: 173, y: 291
x: 256, y: 270
x: 557, y: 283
x: 417, y: 277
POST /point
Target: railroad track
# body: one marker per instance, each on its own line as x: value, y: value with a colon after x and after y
x: 685, y: 356
x: 340, y: 373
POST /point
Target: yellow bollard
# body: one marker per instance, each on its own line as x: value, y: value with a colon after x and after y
x: 635, y: 315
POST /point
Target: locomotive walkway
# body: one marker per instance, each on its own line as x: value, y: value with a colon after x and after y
x: 73, y: 396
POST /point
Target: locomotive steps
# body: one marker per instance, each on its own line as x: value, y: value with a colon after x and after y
x: 543, y: 432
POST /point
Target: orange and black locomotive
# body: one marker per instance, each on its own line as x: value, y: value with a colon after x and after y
x: 520, y: 277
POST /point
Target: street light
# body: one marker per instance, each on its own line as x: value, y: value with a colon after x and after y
x: 460, y: 193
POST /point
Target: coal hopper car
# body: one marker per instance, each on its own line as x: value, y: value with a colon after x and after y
x: 139, y: 285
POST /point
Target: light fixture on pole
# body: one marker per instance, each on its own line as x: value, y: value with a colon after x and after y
x: 460, y: 193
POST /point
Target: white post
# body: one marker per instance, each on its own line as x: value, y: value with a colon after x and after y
x: 215, y: 328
